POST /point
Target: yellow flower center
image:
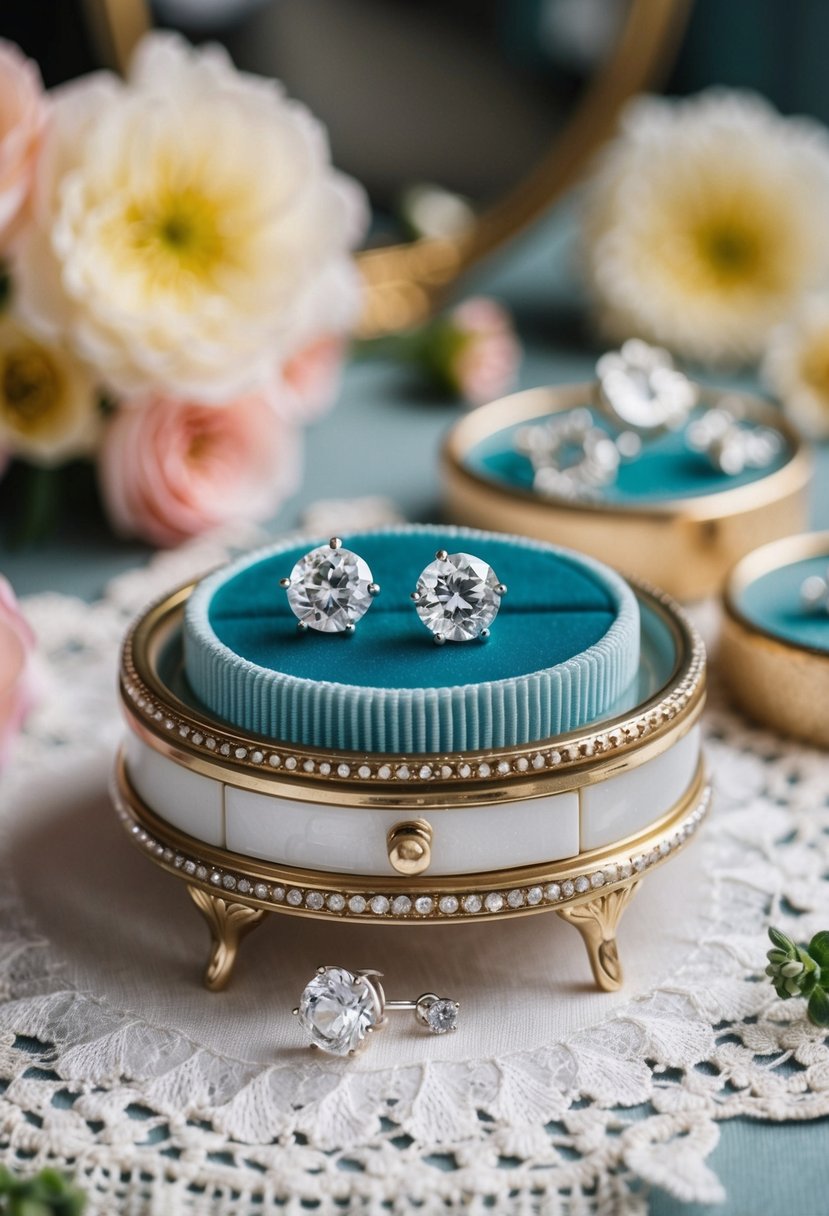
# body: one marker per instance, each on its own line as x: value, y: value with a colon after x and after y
x: 732, y: 251
x: 727, y: 245
x: 31, y: 389
x: 178, y: 234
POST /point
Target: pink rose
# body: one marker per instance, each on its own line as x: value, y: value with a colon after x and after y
x: 17, y: 642
x: 312, y: 378
x: 486, y: 355
x: 170, y: 469
x: 22, y: 114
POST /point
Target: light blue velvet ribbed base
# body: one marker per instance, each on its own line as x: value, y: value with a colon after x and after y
x: 773, y: 603
x: 564, y: 649
x: 665, y: 470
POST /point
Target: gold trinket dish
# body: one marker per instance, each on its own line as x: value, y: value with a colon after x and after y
x: 774, y: 647
x: 669, y: 517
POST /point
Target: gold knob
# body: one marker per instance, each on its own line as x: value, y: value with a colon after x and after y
x: 410, y: 846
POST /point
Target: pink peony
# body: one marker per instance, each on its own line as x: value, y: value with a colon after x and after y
x: 171, y: 468
x: 483, y: 362
x: 22, y: 114
x: 312, y: 379
x: 17, y: 643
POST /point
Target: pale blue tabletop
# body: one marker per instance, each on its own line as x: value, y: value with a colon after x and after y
x: 382, y: 439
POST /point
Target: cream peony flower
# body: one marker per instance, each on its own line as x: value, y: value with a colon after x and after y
x: 796, y: 366
x: 705, y: 220
x: 48, y: 403
x: 189, y: 231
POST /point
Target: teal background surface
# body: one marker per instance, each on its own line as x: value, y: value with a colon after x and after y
x: 773, y: 602
x: 382, y: 439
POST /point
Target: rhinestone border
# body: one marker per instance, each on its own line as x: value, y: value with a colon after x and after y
x: 372, y: 904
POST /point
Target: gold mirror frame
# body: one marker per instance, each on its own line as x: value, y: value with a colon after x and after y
x: 406, y: 283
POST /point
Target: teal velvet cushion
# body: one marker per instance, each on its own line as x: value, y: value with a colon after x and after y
x: 772, y: 602
x: 564, y: 649
x: 666, y: 469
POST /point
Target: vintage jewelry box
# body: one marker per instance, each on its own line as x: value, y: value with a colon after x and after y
x: 380, y: 779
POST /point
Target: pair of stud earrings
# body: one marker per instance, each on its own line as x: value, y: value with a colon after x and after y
x: 457, y: 596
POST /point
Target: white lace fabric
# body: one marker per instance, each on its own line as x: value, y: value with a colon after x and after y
x: 115, y: 1063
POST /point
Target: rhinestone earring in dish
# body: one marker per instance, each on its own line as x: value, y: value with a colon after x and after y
x: 458, y: 597
x: 814, y: 593
x: 330, y: 589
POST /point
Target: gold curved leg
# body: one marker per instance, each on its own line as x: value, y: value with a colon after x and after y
x: 597, y: 922
x: 228, y: 923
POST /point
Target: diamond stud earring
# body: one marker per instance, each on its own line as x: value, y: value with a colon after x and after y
x: 339, y: 1009
x: 639, y: 389
x: 458, y: 597
x: 330, y: 589
x: 732, y: 443
x: 814, y: 593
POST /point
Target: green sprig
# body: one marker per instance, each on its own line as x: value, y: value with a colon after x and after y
x: 45, y: 1194
x: 801, y: 971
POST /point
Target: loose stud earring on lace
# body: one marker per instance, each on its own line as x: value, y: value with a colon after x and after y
x: 340, y: 1009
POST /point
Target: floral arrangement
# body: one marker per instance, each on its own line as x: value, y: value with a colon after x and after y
x: 704, y: 230
x: 178, y: 283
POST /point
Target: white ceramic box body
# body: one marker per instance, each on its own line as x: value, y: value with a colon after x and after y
x: 465, y: 840
x: 628, y: 803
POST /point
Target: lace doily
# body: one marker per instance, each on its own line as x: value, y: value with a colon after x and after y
x: 116, y: 1065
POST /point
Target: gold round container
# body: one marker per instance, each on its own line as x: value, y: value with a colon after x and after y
x: 235, y: 891
x: 686, y: 545
x: 774, y: 680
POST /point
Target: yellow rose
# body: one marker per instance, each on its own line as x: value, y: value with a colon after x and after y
x: 48, y: 403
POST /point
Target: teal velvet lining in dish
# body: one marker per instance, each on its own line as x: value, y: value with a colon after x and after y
x: 773, y: 603
x: 666, y: 469
x: 563, y: 649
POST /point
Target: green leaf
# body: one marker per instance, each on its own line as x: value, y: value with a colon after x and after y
x: 808, y: 982
x: 780, y: 940
x: 31, y: 1207
x: 818, y: 1007
x: 819, y: 948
